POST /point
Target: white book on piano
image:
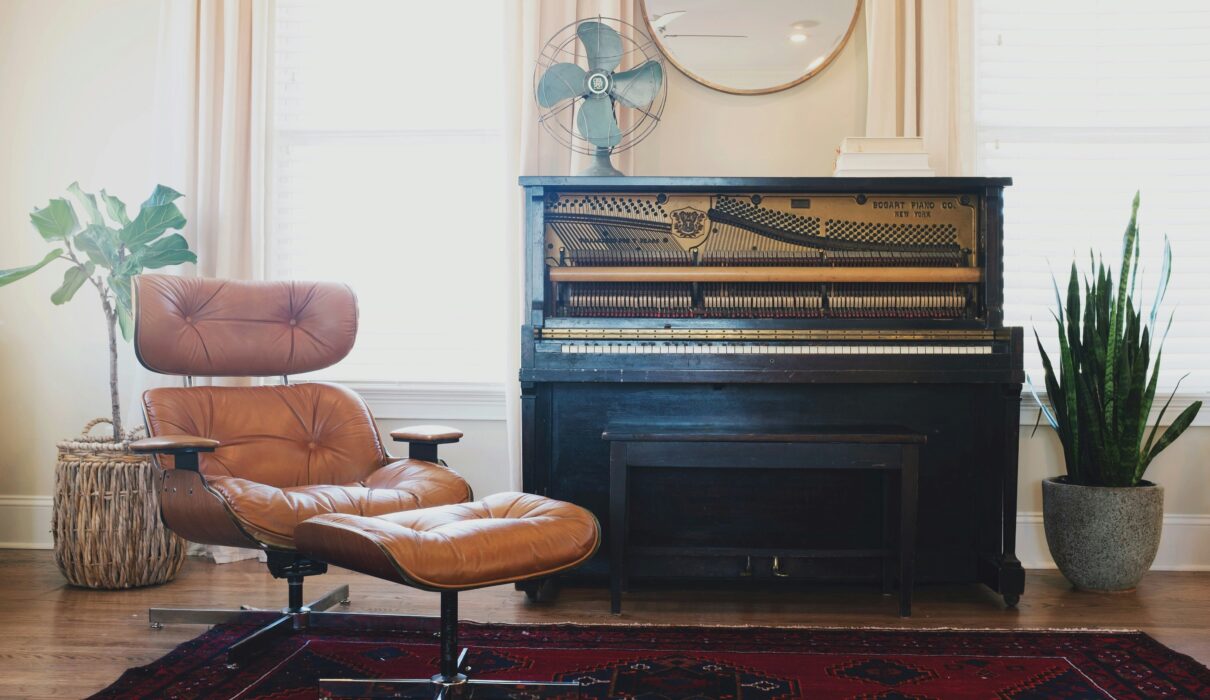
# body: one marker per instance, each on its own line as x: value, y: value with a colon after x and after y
x: 882, y: 161
x: 886, y: 172
x: 882, y: 144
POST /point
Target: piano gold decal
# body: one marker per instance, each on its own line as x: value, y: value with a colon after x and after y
x: 688, y: 223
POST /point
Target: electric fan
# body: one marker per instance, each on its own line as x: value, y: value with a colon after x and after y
x: 576, y: 72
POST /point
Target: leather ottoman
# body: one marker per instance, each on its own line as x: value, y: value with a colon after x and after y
x: 504, y: 538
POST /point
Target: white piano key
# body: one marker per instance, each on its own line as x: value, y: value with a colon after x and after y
x: 772, y: 349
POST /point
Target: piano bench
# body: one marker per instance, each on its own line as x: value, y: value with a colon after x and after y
x: 885, y: 449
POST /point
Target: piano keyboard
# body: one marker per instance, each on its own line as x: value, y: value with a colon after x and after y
x: 732, y: 349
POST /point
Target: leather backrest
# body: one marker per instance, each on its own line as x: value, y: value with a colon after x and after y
x: 226, y: 328
x: 296, y: 435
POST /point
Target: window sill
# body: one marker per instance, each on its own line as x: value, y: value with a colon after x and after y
x: 1029, y: 409
x: 482, y: 401
x: 432, y: 400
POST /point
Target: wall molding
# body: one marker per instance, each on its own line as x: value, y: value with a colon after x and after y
x: 1184, y: 546
x: 25, y: 522
x: 432, y: 400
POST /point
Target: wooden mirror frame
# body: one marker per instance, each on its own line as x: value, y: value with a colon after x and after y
x: 651, y: 32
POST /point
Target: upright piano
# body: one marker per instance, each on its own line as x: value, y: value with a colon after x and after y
x: 771, y: 303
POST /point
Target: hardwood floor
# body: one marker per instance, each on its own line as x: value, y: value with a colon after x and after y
x: 57, y: 641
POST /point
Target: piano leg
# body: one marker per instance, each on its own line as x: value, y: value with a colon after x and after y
x: 1001, y: 570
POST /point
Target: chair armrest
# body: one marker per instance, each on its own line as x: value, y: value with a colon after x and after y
x: 173, y: 444
x: 183, y: 448
x: 423, y: 439
x: 433, y: 434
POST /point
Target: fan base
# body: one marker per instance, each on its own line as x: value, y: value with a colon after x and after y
x: 601, y: 167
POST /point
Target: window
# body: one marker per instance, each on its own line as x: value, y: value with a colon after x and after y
x: 1082, y: 103
x: 387, y: 172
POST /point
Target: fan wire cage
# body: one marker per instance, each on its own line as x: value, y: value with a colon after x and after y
x: 560, y: 120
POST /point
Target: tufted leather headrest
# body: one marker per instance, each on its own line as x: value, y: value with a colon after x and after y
x: 226, y: 328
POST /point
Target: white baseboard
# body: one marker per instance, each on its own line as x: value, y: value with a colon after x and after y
x: 1185, y: 545
x: 25, y: 522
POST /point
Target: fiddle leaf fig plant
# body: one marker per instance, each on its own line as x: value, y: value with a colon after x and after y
x: 1102, y: 392
x: 107, y: 250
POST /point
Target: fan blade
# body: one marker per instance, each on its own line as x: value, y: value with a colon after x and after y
x: 637, y: 87
x: 559, y: 82
x: 602, y: 45
x: 596, y: 122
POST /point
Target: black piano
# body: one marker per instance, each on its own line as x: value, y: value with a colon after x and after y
x: 770, y: 303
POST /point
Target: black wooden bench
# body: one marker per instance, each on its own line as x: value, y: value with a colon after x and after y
x: 891, y: 450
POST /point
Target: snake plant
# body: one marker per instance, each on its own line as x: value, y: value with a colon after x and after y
x: 1103, y: 392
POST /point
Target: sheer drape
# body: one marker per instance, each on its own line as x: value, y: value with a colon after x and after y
x: 920, y: 61
x: 213, y: 94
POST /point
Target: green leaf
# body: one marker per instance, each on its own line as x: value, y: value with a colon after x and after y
x: 161, y: 196
x: 1043, y: 410
x: 13, y: 274
x: 100, y: 244
x: 1129, y: 246
x: 89, y: 202
x: 150, y: 223
x: 116, y: 208
x: 56, y: 221
x: 121, y: 294
x: 1174, y: 431
x: 73, y: 278
x: 1165, y: 275
x: 120, y: 285
x: 125, y: 322
x: 169, y: 250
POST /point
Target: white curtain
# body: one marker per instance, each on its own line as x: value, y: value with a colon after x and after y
x: 213, y: 96
x: 920, y: 60
x: 532, y: 151
x: 212, y: 110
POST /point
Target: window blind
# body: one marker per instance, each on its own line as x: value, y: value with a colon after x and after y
x: 1082, y: 103
x: 387, y: 172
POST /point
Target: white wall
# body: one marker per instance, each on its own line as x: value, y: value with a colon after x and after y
x: 790, y: 133
x: 76, y: 105
x: 74, y: 76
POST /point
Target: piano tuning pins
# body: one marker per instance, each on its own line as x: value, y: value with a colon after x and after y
x: 611, y: 230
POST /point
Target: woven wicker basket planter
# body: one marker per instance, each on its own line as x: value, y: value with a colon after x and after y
x: 106, y: 518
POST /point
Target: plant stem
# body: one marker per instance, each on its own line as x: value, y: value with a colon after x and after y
x: 111, y: 322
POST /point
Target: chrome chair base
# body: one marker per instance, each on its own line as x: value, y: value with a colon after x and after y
x: 294, y: 617
x: 452, y: 682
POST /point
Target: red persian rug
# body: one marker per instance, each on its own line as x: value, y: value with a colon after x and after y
x: 692, y: 663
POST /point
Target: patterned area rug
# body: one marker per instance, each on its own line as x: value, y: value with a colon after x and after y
x: 692, y: 663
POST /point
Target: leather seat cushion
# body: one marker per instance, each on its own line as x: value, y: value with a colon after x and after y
x: 270, y: 514
x: 503, y: 538
x: 285, y: 436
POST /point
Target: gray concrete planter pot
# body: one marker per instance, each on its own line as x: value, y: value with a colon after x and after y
x: 1103, y: 538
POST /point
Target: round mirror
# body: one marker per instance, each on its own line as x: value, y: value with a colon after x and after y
x: 752, y: 47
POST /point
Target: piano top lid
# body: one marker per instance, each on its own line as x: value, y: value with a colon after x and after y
x: 812, y: 185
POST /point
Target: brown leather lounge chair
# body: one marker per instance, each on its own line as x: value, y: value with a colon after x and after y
x: 245, y: 465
